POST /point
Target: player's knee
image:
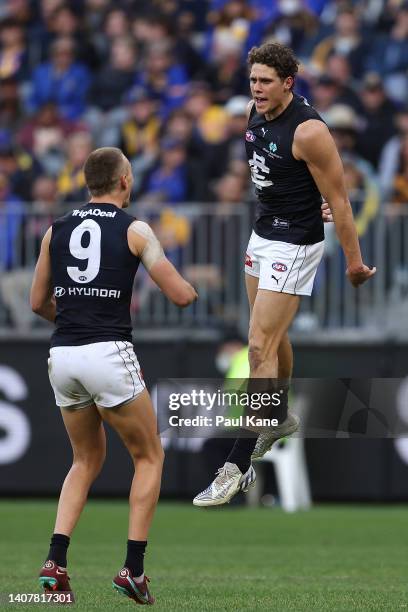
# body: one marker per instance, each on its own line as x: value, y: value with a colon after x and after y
x: 91, y: 462
x: 156, y: 455
x: 152, y: 452
x: 256, y: 354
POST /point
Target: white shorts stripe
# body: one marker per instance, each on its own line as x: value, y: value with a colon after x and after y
x: 126, y: 365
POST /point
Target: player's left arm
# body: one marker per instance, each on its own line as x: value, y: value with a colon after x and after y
x: 144, y: 244
x: 41, y: 298
x: 314, y: 144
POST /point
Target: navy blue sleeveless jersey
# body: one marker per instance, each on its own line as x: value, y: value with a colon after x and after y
x: 288, y: 200
x: 93, y: 271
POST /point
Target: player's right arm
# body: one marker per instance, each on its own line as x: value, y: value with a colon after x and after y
x: 144, y: 244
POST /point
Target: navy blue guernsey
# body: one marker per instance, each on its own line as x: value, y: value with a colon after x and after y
x: 288, y: 200
x: 93, y: 271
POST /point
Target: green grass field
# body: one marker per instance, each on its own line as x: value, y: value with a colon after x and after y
x: 331, y: 558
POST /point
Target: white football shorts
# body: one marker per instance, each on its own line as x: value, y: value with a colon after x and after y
x: 281, y: 266
x: 104, y: 373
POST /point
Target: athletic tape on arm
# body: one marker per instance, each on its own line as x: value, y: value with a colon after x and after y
x: 153, y: 251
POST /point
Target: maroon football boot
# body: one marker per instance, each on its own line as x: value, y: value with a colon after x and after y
x: 52, y: 578
x: 126, y: 584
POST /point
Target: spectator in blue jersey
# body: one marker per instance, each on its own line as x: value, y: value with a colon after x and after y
x: 162, y: 77
x: 61, y: 80
x: 389, y: 56
x: 180, y: 126
x: 11, y: 222
x: 168, y: 183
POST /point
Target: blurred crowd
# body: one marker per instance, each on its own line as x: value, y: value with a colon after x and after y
x: 166, y: 80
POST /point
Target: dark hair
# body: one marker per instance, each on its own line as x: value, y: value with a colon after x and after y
x: 9, y: 22
x: 103, y: 169
x: 275, y: 56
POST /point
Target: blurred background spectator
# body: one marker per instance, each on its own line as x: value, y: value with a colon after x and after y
x: 11, y: 221
x: 391, y: 153
x: 116, y: 77
x: 348, y: 39
x: 11, y: 111
x: 167, y: 83
x: 13, y: 51
x: 400, y: 185
x: 360, y: 178
x: 61, y: 80
x: 134, y: 77
x: 168, y: 183
x: 71, y: 179
x: 138, y: 135
x: 376, y: 128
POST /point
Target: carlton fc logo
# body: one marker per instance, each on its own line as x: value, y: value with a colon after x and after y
x: 250, y: 136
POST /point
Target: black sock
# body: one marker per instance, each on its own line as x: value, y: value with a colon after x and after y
x: 135, y: 556
x: 58, y: 549
x: 277, y: 389
x: 281, y: 412
x: 245, y: 443
x: 242, y: 450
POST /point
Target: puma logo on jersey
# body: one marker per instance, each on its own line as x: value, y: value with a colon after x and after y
x: 94, y: 212
x: 263, y: 131
x: 274, y: 278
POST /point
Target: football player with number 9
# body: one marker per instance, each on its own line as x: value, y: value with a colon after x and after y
x: 83, y: 283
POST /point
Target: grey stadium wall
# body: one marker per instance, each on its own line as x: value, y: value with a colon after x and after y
x: 35, y: 453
